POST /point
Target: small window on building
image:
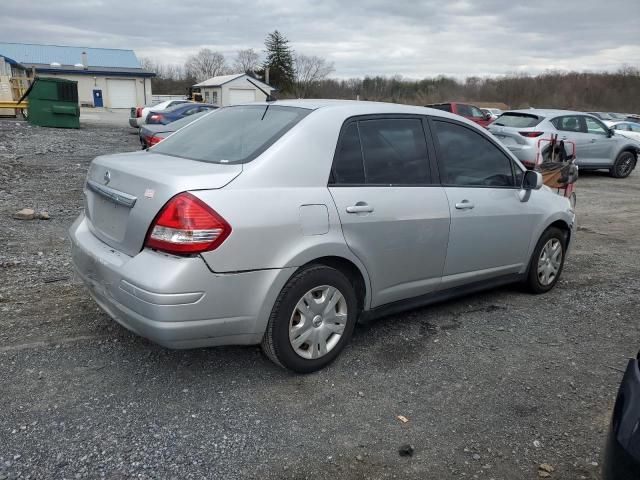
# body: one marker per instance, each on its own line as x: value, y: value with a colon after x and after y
x: 214, y: 98
x: 206, y: 96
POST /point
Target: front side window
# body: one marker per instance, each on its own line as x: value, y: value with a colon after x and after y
x: 622, y: 126
x: 467, y: 158
x: 476, y: 112
x: 568, y: 124
x: 232, y: 134
x: 390, y: 151
x: 465, y: 110
x: 595, y: 127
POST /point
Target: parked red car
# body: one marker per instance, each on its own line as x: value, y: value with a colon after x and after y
x: 465, y: 110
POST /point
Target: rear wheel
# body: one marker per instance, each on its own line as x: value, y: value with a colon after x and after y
x: 623, y: 166
x: 547, y: 261
x: 312, y: 319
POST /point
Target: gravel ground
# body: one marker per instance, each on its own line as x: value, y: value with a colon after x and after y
x: 492, y: 385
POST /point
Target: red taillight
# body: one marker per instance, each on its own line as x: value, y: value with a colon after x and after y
x: 138, y: 111
x: 531, y: 134
x: 187, y: 225
x: 151, y: 141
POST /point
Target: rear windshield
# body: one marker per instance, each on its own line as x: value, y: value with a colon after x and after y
x: 232, y: 134
x: 177, y: 106
x: 517, y: 120
x: 441, y: 106
x: 187, y: 120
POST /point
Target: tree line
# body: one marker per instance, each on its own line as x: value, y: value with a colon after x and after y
x: 296, y: 75
x: 587, y: 91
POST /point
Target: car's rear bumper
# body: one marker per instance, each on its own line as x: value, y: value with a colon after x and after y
x: 174, y: 301
x: 622, y: 456
x: 133, y: 122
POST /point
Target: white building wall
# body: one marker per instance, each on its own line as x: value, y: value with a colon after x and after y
x: 241, y: 83
x: 87, y: 83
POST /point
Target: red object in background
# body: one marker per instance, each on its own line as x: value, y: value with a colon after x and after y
x: 152, y: 140
x: 466, y: 110
x: 138, y: 112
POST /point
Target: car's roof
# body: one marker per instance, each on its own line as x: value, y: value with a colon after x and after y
x: 358, y: 107
x: 546, y: 112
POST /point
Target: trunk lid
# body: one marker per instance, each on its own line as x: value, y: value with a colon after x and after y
x: 507, y: 128
x: 124, y: 192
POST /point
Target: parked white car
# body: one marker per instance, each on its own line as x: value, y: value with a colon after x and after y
x: 493, y: 112
x: 627, y: 129
x: 139, y: 114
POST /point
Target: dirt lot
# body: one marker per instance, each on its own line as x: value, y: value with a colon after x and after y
x: 492, y: 385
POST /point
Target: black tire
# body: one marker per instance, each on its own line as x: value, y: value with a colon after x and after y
x: 276, y: 344
x: 533, y: 282
x: 624, y: 165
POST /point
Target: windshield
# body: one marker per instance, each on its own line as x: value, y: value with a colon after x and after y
x: 517, y: 120
x: 232, y: 134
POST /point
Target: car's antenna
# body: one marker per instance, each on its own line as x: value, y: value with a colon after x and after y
x: 269, y: 97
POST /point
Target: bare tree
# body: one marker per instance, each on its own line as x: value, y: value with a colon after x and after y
x: 205, y: 64
x: 309, y: 71
x: 246, y: 61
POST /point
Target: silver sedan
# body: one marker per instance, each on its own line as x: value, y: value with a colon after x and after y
x: 285, y: 223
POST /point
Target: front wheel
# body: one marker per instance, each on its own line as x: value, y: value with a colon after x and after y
x: 312, y: 319
x: 623, y: 166
x: 547, y: 261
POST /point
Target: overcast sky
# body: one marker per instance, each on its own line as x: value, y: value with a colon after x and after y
x: 414, y: 39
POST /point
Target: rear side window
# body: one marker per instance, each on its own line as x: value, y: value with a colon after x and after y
x: 348, y: 164
x: 232, y: 134
x: 390, y: 151
x: 467, y: 158
x: 517, y: 120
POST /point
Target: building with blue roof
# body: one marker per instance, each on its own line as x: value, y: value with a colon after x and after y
x: 107, y: 77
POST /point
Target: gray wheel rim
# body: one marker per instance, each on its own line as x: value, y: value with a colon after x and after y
x: 317, y: 322
x: 625, y: 165
x: 549, y: 262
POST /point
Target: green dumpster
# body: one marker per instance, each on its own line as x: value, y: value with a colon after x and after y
x: 53, y: 102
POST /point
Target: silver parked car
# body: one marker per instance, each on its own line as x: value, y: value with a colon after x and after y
x: 284, y: 223
x: 597, y: 146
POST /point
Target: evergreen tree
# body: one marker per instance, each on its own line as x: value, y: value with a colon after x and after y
x: 279, y: 61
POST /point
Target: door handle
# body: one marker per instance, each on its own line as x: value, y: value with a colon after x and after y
x: 360, y: 207
x: 564, y: 137
x: 464, y: 205
x: 594, y: 140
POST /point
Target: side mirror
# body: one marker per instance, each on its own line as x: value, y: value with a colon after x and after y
x: 487, y: 116
x: 532, y: 180
x: 611, y: 132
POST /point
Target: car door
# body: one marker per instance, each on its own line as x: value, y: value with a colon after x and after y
x: 394, y: 214
x: 600, y: 143
x: 572, y: 128
x: 491, y: 227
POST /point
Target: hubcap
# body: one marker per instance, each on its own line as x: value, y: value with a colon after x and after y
x: 549, y: 262
x: 318, y: 322
x: 625, y: 165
